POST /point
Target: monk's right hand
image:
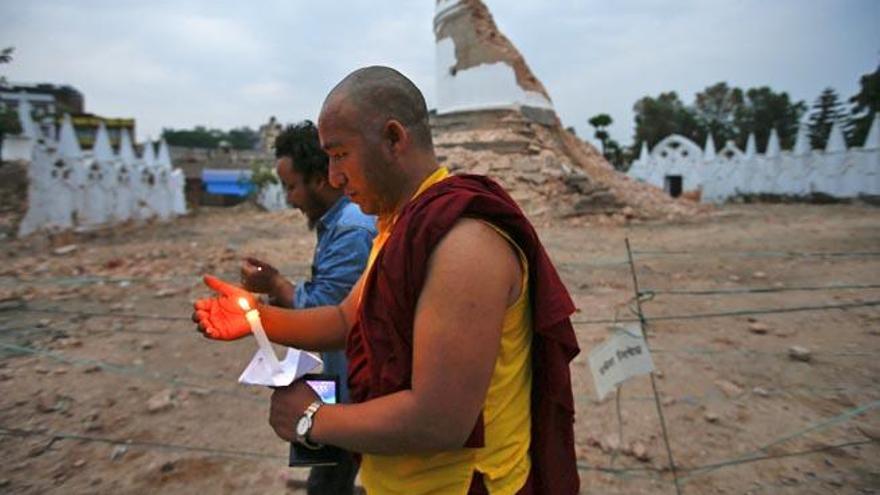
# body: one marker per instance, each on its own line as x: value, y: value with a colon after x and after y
x: 222, y: 317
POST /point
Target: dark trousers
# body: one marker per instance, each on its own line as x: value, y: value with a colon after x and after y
x: 333, y: 480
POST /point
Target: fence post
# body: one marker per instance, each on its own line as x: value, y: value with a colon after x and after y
x: 643, y: 324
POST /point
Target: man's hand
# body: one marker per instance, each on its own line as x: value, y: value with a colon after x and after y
x: 258, y: 276
x: 222, y: 317
x: 288, y: 404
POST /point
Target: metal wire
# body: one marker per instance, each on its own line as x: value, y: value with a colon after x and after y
x: 741, y: 312
x: 60, y: 435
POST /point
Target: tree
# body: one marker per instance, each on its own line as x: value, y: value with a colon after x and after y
x: 5, y: 58
x: 243, y: 138
x: 826, y: 110
x: 865, y: 105
x: 616, y: 154
x: 9, y: 123
x: 659, y: 117
x: 764, y: 110
x: 600, y: 123
x: 716, y: 108
x: 198, y: 137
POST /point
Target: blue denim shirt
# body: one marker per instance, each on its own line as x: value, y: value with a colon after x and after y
x: 345, y: 236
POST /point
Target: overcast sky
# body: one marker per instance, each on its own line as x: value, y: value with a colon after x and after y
x: 226, y: 64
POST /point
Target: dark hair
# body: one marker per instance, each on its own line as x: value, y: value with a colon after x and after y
x: 300, y: 143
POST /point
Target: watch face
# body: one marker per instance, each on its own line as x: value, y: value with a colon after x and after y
x: 302, y: 426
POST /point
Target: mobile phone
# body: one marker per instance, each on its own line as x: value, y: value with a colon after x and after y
x: 327, y: 388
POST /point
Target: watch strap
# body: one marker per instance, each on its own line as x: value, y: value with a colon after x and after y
x: 310, y: 414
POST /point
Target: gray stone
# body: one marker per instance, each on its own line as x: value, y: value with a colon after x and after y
x: 729, y: 388
x: 758, y: 328
x: 65, y: 250
x: 160, y: 402
x: 118, y: 452
x: 799, y: 353
x: 760, y: 391
x: 640, y: 452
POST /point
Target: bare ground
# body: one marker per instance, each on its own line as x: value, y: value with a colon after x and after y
x: 77, y: 381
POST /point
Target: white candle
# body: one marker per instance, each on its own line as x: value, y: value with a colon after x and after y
x: 253, y: 318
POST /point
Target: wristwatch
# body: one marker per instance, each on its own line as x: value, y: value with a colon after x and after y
x: 304, y: 425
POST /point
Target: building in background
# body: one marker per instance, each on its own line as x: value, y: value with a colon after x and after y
x: 86, y: 127
x: 48, y: 105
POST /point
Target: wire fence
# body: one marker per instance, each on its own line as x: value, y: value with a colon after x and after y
x: 139, y: 372
x: 684, y: 473
x: 726, y: 314
x: 146, y: 445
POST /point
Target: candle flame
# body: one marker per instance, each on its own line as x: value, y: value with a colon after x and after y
x: 243, y: 302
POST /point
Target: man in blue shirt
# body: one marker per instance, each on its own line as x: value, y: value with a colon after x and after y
x: 345, y: 236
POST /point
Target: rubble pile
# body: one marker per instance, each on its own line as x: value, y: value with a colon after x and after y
x: 546, y: 169
x: 512, y: 133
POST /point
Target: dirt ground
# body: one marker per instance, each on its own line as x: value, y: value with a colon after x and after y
x: 105, y: 387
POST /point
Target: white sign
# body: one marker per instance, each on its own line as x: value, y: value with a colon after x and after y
x: 621, y: 357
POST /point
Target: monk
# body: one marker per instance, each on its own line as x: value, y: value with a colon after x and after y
x: 457, y: 334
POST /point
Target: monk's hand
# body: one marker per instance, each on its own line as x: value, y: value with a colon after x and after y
x: 288, y: 404
x: 222, y: 317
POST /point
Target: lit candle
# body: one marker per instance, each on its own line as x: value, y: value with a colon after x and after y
x: 253, y: 318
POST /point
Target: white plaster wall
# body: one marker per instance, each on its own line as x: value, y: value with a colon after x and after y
x: 178, y: 188
x: 17, y: 147
x: 271, y: 197
x: 486, y: 86
x: 63, y: 193
x: 143, y: 182
x: 95, y: 205
x: 841, y: 174
x: 126, y: 198
x: 867, y: 169
x: 162, y: 194
x: 69, y: 189
x: 39, y: 177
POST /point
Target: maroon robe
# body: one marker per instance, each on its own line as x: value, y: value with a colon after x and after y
x: 380, y: 344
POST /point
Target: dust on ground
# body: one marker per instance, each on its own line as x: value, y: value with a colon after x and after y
x: 105, y: 387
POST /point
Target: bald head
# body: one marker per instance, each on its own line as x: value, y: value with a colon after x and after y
x: 378, y: 94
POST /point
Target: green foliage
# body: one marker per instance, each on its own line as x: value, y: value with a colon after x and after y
x: 9, y: 123
x: 659, y: 117
x: 262, y: 174
x: 764, y: 110
x: 600, y: 123
x: 5, y: 58
x: 716, y: 108
x: 728, y: 113
x: 866, y: 104
x: 617, y: 155
x: 826, y: 110
x: 242, y: 138
x: 601, y: 120
x: 199, y: 137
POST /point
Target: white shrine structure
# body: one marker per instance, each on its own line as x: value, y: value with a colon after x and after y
x: 478, y: 68
x: 69, y: 189
x: 678, y: 165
